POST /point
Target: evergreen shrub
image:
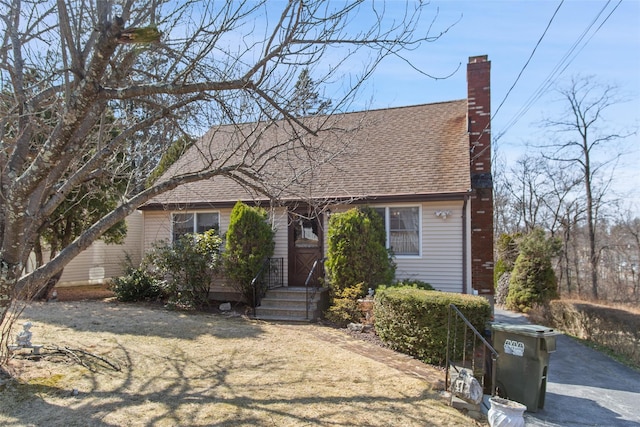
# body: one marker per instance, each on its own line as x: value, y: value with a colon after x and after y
x: 506, y: 254
x: 357, y: 259
x: 414, y: 321
x: 533, y: 281
x: 186, y: 267
x: 249, y: 242
x: 137, y: 284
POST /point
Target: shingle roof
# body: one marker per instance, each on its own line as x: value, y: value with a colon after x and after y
x: 395, y: 152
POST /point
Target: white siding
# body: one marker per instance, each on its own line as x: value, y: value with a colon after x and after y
x: 157, y: 227
x: 440, y: 261
x: 280, y: 220
x: 442, y: 248
x: 100, y: 262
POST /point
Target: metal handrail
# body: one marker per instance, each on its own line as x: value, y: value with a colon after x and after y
x: 254, y: 284
x: 272, y: 267
x: 309, y: 298
x: 486, y: 344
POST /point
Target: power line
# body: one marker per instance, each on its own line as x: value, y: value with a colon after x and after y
x: 516, y: 81
x: 559, y: 68
x: 528, y: 59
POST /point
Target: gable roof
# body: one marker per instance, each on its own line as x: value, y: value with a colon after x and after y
x: 403, y: 153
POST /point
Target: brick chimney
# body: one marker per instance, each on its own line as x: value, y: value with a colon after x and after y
x: 481, y: 197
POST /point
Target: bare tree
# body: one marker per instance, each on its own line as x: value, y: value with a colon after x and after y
x: 158, y: 69
x: 623, y: 252
x: 538, y: 190
x: 503, y: 222
x: 528, y: 189
x: 578, y: 136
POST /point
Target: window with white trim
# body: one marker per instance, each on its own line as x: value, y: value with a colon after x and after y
x: 198, y: 222
x: 402, y: 226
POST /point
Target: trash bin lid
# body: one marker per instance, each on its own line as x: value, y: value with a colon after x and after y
x: 529, y: 330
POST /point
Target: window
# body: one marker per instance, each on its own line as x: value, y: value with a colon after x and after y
x: 194, y: 223
x: 402, y: 225
x: 305, y: 233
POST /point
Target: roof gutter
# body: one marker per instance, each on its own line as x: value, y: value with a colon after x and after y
x: 356, y: 200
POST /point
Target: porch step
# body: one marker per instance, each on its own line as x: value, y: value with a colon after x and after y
x: 290, y: 304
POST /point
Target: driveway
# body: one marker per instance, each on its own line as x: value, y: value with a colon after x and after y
x: 584, y: 386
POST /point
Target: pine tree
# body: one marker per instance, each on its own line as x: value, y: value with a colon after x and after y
x: 306, y: 100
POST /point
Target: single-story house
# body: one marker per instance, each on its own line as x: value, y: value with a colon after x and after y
x: 425, y: 168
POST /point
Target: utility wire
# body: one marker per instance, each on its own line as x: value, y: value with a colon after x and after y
x: 560, y: 67
x: 524, y: 67
x: 553, y: 75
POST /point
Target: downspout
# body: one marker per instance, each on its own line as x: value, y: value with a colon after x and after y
x: 464, y: 244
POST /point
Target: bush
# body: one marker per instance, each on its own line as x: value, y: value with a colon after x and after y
x: 357, y: 259
x: 506, y: 254
x: 414, y: 321
x: 533, y: 280
x: 502, y: 289
x: 250, y: 241
x: 411, y: 283
x: 617, y: 329
x: 187, y: 267
x: 345, y: 308
x: 137, y: 284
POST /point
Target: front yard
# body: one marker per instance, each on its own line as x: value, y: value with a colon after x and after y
x: 193, y: 369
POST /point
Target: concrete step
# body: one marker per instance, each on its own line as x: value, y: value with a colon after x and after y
x: 285, y: 303
x: 282, y: 311
x: 286, y: 315
x: 276, y: 318
x: 289, y: 304
x: 292, y: 293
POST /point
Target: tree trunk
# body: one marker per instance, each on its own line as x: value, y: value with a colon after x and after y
x: 44, y: 292
x: 593, y: 256
x: 9, y: 274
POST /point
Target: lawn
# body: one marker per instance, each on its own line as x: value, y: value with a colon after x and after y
x: 191, y: 369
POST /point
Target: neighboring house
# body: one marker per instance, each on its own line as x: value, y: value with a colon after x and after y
x: 425, y: 168
x: 100, y: 262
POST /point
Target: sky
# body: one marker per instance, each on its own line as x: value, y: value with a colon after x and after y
x: 578, y: 42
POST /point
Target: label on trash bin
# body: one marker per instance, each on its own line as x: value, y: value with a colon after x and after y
x: 513, y: 347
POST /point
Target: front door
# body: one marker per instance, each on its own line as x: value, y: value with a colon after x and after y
x: 305, y: 247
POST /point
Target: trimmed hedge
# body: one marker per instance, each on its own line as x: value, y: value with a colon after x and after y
x: 414, y: 321
x: 614, y: 328
x: 411, y: 283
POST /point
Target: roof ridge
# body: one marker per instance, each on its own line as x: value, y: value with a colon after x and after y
x: 345, y: 113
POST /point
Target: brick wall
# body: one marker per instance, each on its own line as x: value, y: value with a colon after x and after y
x: 479, y: 116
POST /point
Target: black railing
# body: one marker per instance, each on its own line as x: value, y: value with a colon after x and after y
x: 270, y: 276
x: 312, y: 284
x: 469, y: 351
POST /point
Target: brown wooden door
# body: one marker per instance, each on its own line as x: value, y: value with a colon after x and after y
x: 305, y: 246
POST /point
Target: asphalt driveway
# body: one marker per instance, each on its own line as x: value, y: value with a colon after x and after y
x: 584, y: 386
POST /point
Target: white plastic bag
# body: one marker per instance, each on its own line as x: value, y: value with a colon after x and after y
x: 466, y: 387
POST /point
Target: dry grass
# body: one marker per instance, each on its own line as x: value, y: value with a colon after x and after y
x: 193, y: 369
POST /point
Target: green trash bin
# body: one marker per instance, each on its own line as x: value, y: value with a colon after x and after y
x: 523, y: 362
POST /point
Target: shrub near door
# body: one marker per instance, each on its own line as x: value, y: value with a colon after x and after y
x: 414, y: 321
